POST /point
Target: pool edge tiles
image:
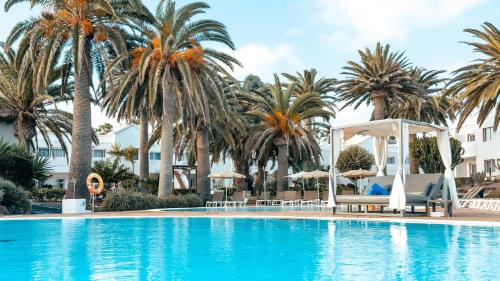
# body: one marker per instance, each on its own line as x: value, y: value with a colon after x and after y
x: 249, y: 216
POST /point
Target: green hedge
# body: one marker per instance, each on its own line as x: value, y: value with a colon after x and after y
x: 15, y: 198
x: 49, y: 194
x: 130, y: 200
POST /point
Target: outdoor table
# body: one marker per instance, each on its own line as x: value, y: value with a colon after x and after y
x: 446, y: 204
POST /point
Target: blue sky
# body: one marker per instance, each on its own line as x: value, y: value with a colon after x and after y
x: 291, y: 35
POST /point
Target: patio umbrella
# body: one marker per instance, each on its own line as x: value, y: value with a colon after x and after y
x: 226, y: 175
x: 359, y: 174
x: 316, y: 174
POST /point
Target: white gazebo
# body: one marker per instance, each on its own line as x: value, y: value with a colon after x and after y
x: 381, y: 130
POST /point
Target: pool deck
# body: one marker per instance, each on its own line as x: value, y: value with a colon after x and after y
x: 461, y: 216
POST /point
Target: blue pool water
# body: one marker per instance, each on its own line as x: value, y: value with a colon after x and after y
x: 244, y: 249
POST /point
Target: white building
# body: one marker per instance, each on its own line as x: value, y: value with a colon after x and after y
x: 481, y: 145
x: 124, y: 137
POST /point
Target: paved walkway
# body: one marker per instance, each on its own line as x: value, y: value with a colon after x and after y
x: 460, y: 215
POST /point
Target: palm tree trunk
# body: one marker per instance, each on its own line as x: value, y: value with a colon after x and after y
x: 259, y: 179
x: 378, y: 99
x: 240, y: 167
x: 143, y: 149
x: 309, y: 126
x: 281, y: 181
x: 203, y: 161
x: 167, y: 136
x: 81, y: 135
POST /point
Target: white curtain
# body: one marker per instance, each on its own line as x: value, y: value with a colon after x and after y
x: 398, y: 198
x: 443, y: 140
x: 380, y: 153
x: 335, y: 147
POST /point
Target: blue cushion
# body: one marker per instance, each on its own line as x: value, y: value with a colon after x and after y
x: 376, y: 189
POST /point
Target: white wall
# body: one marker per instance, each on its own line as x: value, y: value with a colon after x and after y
x: 6, y: 133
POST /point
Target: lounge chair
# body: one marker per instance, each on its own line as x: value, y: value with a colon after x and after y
x: 217, y: 199
x: 310, y: 198
x: 238, y: 200
x: 292, y: 198
x: 264, y: 198
x: 280, y: 196
x: 419, y: 189
x: 324, y: 198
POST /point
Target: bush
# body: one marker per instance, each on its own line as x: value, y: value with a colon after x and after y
x: 354, y: 157
x: 183, y: 191
x: 49, y: 194
x: 122, y: 199
x: 171, y: 201
x: 15, y: 198
x: 192, y: 200
x: 128, y: 200
x: 426, y: 152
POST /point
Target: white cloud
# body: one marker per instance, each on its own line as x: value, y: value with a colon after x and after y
x: 264, y: 61
x: 364, y: 22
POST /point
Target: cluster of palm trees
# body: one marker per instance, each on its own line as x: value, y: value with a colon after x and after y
x: 161, y: 69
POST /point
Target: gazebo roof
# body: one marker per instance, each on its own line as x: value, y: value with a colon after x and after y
x: 387, y: 127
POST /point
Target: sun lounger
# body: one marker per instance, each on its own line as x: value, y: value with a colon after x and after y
x: 217, y: 199
x: 292, y: 198
x: 264, y: 198
x: 324, y: 198
x: 419, y: 189
x: 238, y: 200
x: 310, y: 198
x: 280, y: 196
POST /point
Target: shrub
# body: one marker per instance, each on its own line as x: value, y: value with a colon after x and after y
x: 122, y: 199
x: 354, y: 157
x: 426, y: 152
x: 171, y: 201
x: 49, y: 194
x: 128, y: 200
x: 21, y: 167
x: 15, y: 198
x: 183, y: 191
x: 192, y: 200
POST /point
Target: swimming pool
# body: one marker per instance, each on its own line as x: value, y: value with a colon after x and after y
x: 244, y: 249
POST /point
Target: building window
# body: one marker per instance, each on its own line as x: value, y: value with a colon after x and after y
x: 43, y: 152
x: 489, y: 166
x: 58, y: 152
x: 471, y: 137
x: 154, y: 155
x: 472, y: 169
x: 60, y: 183
x: 391, y: 160
x: 488, y: 134
x: 99, y: 153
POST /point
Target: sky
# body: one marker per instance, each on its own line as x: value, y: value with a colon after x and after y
x: 292, y: 35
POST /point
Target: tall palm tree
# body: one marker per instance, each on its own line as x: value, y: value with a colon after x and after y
x: 83, y: 32
x: 29, y: 109
x: 175, y: 62
x: 281, y: 126
x: 306, y: 83
x: 477, y: 85
x: 380, y: 77
x: 425, y: 104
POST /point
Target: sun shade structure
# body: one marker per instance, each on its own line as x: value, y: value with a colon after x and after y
x: 226, y: 175
x: 381, y: 130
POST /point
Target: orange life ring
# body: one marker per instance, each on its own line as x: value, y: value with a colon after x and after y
x: 89, y: 183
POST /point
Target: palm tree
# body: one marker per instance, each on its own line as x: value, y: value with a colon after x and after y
x: 306, y: 83
x: 175, y: 63
x: 29, y: 109
x: 82, y: 32
x: 425, y: 104
x: 281, y: 127
x: 380, y: 77
x: 477, y: 85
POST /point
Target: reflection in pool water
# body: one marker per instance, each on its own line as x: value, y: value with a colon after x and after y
x: 244, y: 249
